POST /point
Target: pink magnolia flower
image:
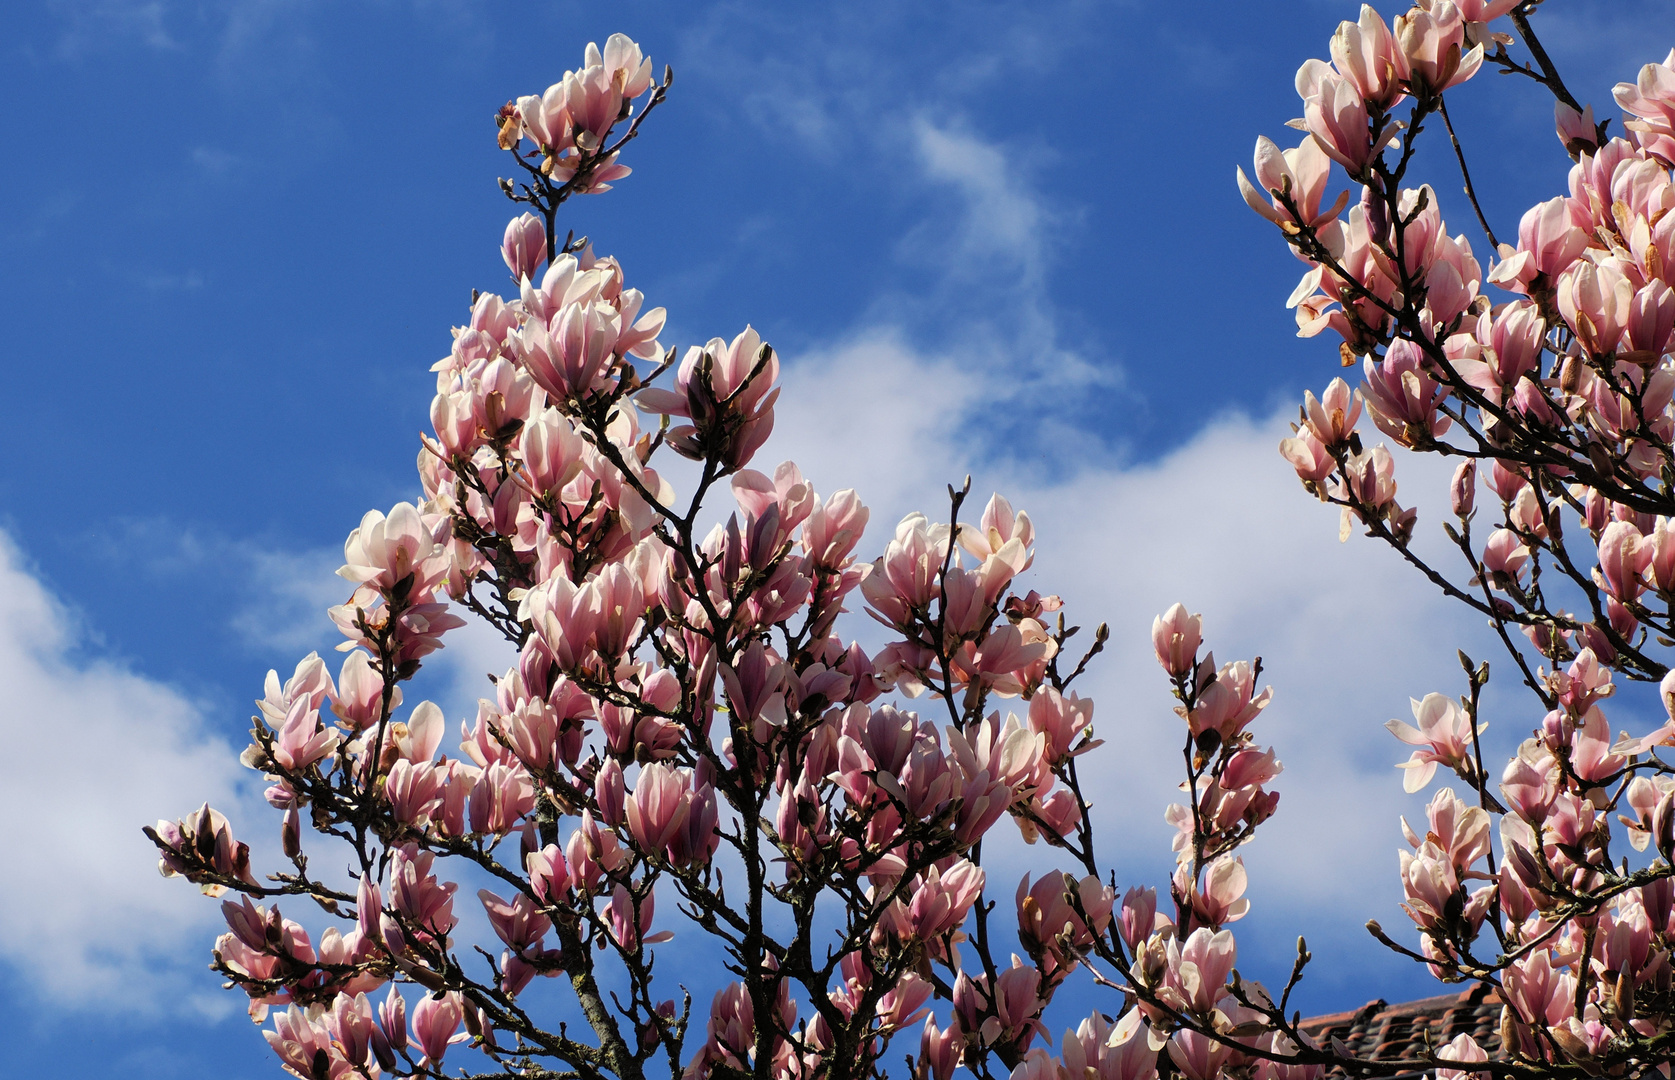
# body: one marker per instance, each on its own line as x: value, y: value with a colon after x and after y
x: 1591, y: 755
x: 549, y: 876
x: 940, y: 1050
x: 1430, y: 883
x: 500, y: 798
x: 697, y: 841
x: 1332, y: 418
x: 414, y: 791
x: 1548, y: 243
x: 306, y: 1046
x: 1001, y: 529
x: 1010, y: 752
x: 1016, y: 1004
x: 943, y: 900
x: 1061, y: 719
x: 1432, y: 41
x: 1576, y: 130
x: 436, y: 1025
x: 1251, y: 768
x: 1139, y: 918
x: 1511, y: 341
x: 1530, y: 783
x: 516, y: 922
x: 1221, y: 899
x: 727, y: 391
x: 1402, y: 397
x: 630, y: 919
x: 383, y: 552
x: 1651, y: 98
x: 1504, y: 556
x: 524, y: 246
x: 1308, y: 455
x: 1359, y: 273
x: 1538, y: 992
x: 773, y: 507
x: 1371, y: 478
x: 902, y: 1005
x: 200, y: 843
x: 1299, y: 174
x: 1050, y: 926
x: 1461, y: 832
x: 415, y: 893
x: 553, y: 454
x: 1197, y: 1057
x: 1444, y: 733
x: 1651, y: 322
x: 592, y: 853
x: 1365, y: 53
x: 358, y: 700
x: 303, y: 740
x: 1175, y: 639
x: 1596, y: 300
x: 659, y: 807
x: 1478, y: 12
x: 1038, y: 1064
x: 1624, y: 556
x: 594, y: 95
x: 1100, y: 1050
x: 1198, y: 969
x: 903, y: 580
x: 1453, y: 278
x: 833, y: 528
x: 310, y: 682
x: 1230, y: 703
x: 1462, y: 1049
x: 569, y: 356
x: 350, y: 1021
x: 1335, y: 114
x: 420, y: 737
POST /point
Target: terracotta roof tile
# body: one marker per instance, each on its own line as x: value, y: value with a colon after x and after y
x: 1406, y: 1032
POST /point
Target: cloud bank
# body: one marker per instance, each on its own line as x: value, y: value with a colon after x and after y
x: 93, y: 752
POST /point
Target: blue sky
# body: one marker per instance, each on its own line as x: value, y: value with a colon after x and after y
x: 994, y: 238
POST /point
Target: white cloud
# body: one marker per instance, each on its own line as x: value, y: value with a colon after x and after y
x: 1002, y: 219
x: 94, y: 752
x: 288, y: 594
x: 873, y: 414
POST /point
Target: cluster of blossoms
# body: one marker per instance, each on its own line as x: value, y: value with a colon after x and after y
x: 683, y: 728
x: 681, y: 717
x: 1555, y: 395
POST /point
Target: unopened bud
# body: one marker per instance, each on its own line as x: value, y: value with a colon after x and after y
x: 1570, y: 374
x: 290, y: 833
x: 1623, y: 996
x: 1663, y: 827
x: 1462, y: 493
x: 473, y: 1022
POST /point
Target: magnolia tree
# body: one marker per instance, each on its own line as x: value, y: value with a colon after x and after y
x: 684, y: 718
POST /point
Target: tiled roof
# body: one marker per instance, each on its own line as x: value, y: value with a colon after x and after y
x: 1388, y: 1032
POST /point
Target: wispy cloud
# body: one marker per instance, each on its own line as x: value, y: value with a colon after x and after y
x: 93, y: 752
x: 88, y: 25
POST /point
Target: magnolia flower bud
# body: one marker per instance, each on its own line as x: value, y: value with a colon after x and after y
x: 290, y: 833
x: 1462, y: 492
x: 524, y: 246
